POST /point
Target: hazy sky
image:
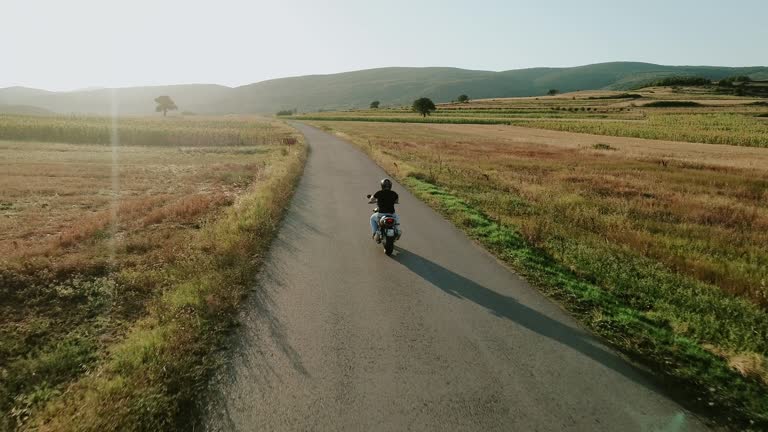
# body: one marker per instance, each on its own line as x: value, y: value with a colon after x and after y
x: 70, y: 44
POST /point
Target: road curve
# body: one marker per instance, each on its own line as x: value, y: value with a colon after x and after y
x: 441, y: 336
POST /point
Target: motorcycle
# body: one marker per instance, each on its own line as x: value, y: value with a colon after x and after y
x: 389, y: 232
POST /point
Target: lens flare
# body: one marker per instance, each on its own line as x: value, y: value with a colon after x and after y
x: 114, y: 142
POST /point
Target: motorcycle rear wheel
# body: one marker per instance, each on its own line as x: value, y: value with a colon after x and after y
x: 389, y: 245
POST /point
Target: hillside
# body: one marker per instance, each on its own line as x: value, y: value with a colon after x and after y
x: 23, y: 110
x: 392, y: 86
x: 131, y: 100
x: 395, y: 86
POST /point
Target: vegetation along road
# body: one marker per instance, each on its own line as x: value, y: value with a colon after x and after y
x: 441, y: 336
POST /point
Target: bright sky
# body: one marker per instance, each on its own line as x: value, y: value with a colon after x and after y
x: 71, y: 44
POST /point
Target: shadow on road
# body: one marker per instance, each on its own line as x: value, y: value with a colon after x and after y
x: 509, y: 308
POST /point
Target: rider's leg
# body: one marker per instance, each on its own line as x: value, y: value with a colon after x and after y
x: 397, y: 225
x: 374, y: 223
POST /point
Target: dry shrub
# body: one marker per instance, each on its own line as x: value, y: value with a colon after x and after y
x: 25, y: 250
x: 132, y: 208
x: 639, y: 241
x: 187, y: 209
x: 670, y: 162
x: 139, y: 245
x: 92, y: 225
x: 606, y: 185
x: 536, y: 231
x: 729, y: 216
x: 748, y: 364
x: 85, y: 230
x: 752, y: 192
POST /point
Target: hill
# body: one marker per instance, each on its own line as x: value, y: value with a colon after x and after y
x: 391, y: 86
x: 396, y: 86
x: 24, y: 110
x: 130, y: 100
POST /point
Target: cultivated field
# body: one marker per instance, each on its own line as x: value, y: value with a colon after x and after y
x: 659, y: 246
x: 683, y: 114
x: 121, y: 265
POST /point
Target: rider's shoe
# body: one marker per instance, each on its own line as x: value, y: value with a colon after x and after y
x: 377, y: 237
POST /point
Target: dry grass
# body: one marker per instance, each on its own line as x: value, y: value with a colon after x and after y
x: 749, y: 364
x: 690, y: 154
x: 186, y: 209
x: 61, y: 194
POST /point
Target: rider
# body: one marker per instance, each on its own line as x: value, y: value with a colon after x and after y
x: 386, y: 198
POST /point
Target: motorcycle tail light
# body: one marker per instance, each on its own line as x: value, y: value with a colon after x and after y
x: 389, y: 221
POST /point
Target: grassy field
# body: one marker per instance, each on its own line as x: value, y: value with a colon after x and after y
x: 121, y: 267
x: 142, y: 131
x: 658, y: 246
x: 677, y: 114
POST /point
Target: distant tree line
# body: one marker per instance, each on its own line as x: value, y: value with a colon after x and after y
x: 730, y: 81
x: 679, y: 81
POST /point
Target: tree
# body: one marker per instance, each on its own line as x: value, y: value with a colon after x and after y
x: 375, y: 104
x: 165, y: 104
x: 553, y: 92
x: 463, y: 98
x: 741, y: 79
x: 424, y: 106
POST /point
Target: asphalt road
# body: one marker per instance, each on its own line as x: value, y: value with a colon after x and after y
x: 439, y: 337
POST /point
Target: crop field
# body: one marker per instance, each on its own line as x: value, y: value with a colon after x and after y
x: 120, y: 265
x: 143, y: 131
x: 684, y: 114
x: 658, y: 246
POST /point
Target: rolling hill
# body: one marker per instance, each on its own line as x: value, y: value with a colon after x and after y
x: 130, y: 100
x: 24, y: 110
x: 391, y: 86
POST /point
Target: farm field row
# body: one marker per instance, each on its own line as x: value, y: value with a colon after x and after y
x: 690, y: 115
